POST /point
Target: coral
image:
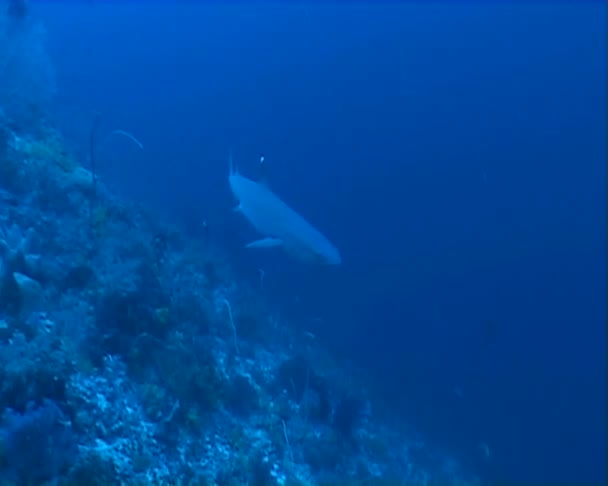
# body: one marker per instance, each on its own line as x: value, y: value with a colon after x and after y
x: 119, y: 443
x: 163, y: 316
x: 35, y: 369
x: 50, y: 149
x: 100, y: 219
x: 260, y: 470
x: 322, y: 454
x: 191, y: 374
x: 347, y: 416
x: 78, y: 277
x: 296, y: 376
x: 38, y: 444
x: 93, y: 469
x: 241, y: 396
x: 124, y: 317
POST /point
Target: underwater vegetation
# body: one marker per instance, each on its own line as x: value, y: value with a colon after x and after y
x: 131, y: 354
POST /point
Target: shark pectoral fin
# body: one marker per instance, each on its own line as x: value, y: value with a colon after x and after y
x: 265, y: 243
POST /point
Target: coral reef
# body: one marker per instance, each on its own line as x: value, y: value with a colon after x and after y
x: 130, y: 355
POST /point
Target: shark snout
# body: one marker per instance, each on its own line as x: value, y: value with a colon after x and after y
x: 333, y: 257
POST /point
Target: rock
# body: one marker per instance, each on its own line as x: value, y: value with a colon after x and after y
x: 29, y: 290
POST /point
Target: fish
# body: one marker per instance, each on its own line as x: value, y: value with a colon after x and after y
x: 279, y: 225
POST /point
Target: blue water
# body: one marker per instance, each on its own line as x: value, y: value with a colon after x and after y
x: 455, y: 153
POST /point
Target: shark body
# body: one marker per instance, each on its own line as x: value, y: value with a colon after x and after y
x: 280, y: 225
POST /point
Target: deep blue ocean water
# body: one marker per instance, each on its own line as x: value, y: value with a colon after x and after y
x: 454, y: 152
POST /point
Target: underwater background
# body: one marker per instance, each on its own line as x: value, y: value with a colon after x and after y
x: 454, y: 152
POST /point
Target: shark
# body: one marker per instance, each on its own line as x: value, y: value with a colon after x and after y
x: 279, y: 225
